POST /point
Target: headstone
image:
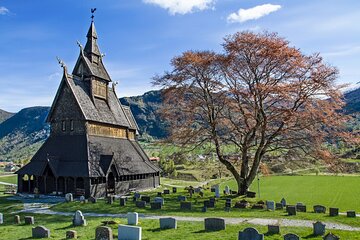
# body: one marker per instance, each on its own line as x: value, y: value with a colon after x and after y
x: 204, y: 209
x: 214, y: 224
x: 291, y: 210
x: 279, y: 206
x: 82, y: 199
x: 40, y: 232
x: 29, y: 220
x: 168, y: 223
x: 217, y: 191
x: 17, y: 219
x: 283, y: 202
x: 250, y: 194
x: 227, y: 190
x: 159, y: 200
x: 241, y: 204
x: 159, y: 194
x: 122, y: 201
x: 103, y: 233
x: 92, y: 199
x: 155, y: 205
x: 71, y: 234
x: 140, y: 204
x: 273, y: 229
x: 228, y: 203
x: 291, y: 236
x: 166, y: 191
x: 174, y: 189
x: 69, y: 197
x: 333, y: 212
x: 331, y: 236
x: 145, y: 198
x: 1, y: 218
x: 197, y: 190
x: 78, y: 219
x: 300, y: 204
x: 270, y: 205
x: 185, y: 205
x: 126, y: 232
x: 133, y: 218
x: 319, y: 209
x: 250, y: 234
x: 318, y: 228
x: 301, y: 208
x: 350, y: 214
x: 181, y: 198
x: 209, y: 204
x: 136, y: 196
x: 110, y: 199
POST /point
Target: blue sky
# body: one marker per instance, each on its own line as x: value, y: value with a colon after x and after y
x: 140, y: 37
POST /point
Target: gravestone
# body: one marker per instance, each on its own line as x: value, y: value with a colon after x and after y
x: 241, y: 204
x: 166, y: 191
x: 103, y: 233
x: 168, y: 223
x: 319, y: 209
x: 17, y: 219
x: 227, y: 190
x: 318, y: 228
x: 217, y: 191
x: 331, y: 236
x: 301, y: 208
x: 82, y: 199
x: 273, y: 229
x: 110, y: 199
x: 250, y: 194
x: 159, y: 194
x: 214, y: 224
x: 279, y: 206
x: 291, y: 210
x: 209, y: 204
x: 174, y: 189
x: 126, y: 232
x: 136, y: 196
x: 40, y: 232
x: 270, y: 205
x: 29, y: 220
x: 71, y: 234
x: 283, y: 202
x: 197, y: 190
x: 333, y: 212
x: 250, y: 234
x: 133, y: 218
x: 122, y: 201
x: 1, y: 218
x: 69, y: 197
x: 145, y: 198
x: 228, y: 203
x: 350, y: 214
x: 140, y: 204
x: 291, y: 236
x: 185, y: 205
x: 78, y: 219
x: 92, y: 199
x: 159, y: 200
x: 181, y: 198
x: 155, y: 205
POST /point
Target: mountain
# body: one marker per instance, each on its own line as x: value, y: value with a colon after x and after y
x: 145, y: 110
x: 4, y: 115
x: 23, y: 133
x: 352, y: 99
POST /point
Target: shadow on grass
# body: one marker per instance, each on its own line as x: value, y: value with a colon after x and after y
x: 270, y: 234
x: 66, y: 227
x: 311, y: 236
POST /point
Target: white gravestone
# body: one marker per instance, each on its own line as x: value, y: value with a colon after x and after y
x: 217, y: 191
x: 78, y: 219
x: 133, y: 218
x: 126, y: 232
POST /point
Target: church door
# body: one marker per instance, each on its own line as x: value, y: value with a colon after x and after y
x: 111, y: 183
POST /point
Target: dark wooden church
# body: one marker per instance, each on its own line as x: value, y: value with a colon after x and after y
x: 92, y: 149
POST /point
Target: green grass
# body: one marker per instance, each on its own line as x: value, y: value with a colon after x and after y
x: 9, y: 179
x: 330, y: 191
x: 58, y: 226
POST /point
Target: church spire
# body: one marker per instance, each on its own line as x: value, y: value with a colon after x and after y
x: 91, y: 48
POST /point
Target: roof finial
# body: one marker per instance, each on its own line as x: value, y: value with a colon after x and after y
x: 92, y: 14
x: 80, y: 46
x: 62, y: 64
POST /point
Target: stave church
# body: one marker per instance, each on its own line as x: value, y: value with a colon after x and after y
x: 92, y: 149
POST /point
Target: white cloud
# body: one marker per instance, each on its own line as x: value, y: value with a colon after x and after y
x: 4, y: 11
x: 182, y: 6
x: 257, y: 12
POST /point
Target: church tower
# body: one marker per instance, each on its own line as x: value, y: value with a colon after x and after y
x: 92, y: 149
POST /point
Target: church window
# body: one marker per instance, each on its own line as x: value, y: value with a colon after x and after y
x: 71, y: 125
x: 63, y: 125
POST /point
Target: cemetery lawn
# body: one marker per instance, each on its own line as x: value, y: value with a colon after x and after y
x: 9, y: 179
x: 58, y: 226
x: 330, y: 191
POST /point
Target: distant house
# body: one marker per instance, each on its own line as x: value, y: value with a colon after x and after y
x: 92, y: 149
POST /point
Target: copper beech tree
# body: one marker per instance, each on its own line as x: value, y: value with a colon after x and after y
x: 260, y: 95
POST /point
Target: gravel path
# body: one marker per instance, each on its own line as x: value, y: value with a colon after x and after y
x: 43, y: 209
